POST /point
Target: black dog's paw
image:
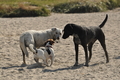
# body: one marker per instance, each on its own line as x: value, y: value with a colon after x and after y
x: 86, y: 65
x: 23, y: 64
x: 76, y: 64
x: 107, y: 61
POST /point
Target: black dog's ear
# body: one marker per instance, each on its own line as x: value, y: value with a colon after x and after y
x: 69, y: 26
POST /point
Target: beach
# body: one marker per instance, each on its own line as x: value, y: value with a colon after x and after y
x: 62, y: 68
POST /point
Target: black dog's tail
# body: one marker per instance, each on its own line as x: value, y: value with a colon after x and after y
x: 103, y: 23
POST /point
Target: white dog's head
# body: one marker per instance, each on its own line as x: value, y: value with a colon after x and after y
x: 56, y: 32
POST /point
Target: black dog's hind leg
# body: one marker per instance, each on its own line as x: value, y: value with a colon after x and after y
x: 102, y: 42
x: 104, y: 48
x: 106, y: 53
x: 86, y: 55
x: 76, y: 51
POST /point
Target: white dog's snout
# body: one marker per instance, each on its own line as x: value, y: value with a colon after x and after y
x: 58, y: 38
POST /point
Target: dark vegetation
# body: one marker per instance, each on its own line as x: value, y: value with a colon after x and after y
x: 75, y: 6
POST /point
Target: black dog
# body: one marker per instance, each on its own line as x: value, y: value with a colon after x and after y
x: 86, y: 36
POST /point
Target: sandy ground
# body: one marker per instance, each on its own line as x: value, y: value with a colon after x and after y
x: 62, y: 69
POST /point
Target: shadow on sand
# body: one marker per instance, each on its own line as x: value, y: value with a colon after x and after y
x: 36, y: 65
x: 66, y: 68
x: 117, y: 57
x: 32, y: 66
x: 40, y: 65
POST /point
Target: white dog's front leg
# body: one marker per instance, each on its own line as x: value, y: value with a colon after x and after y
x: 31, y: 47
x: 36, y: 60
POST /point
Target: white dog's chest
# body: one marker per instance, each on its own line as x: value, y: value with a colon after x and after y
x: 76, y: 39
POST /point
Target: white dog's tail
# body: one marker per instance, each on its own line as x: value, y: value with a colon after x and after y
x: 23, y: 47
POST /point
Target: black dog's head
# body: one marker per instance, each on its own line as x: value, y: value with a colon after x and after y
x: 68, y: 30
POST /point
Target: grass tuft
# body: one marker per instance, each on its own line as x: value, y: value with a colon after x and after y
x: 23, y: 11
x: 75, y: 7
x: 32, y: 8
x: 111, y: 4
x: 86, y: 6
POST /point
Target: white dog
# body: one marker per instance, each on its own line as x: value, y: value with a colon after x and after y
x: 34, y: 39
x: 45, y: 53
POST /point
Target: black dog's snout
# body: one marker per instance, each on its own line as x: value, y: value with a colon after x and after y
x: 63, y: 37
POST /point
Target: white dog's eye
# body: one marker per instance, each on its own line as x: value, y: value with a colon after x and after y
x: 56, y: 33
x: 60, y: 33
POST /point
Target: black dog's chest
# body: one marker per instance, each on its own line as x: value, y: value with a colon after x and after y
x: 76, y: 39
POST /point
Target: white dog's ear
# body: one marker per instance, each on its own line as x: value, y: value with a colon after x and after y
x: 53, y: 29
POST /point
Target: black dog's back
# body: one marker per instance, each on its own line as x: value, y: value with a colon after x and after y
x: 89, y: 33
x: 92, y: 32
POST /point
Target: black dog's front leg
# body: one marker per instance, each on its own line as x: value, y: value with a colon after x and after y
x: 76, y: 51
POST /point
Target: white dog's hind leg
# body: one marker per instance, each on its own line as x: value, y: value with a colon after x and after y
x: 45, y: 62
x: 52, y: 59
x: 23, y: 49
